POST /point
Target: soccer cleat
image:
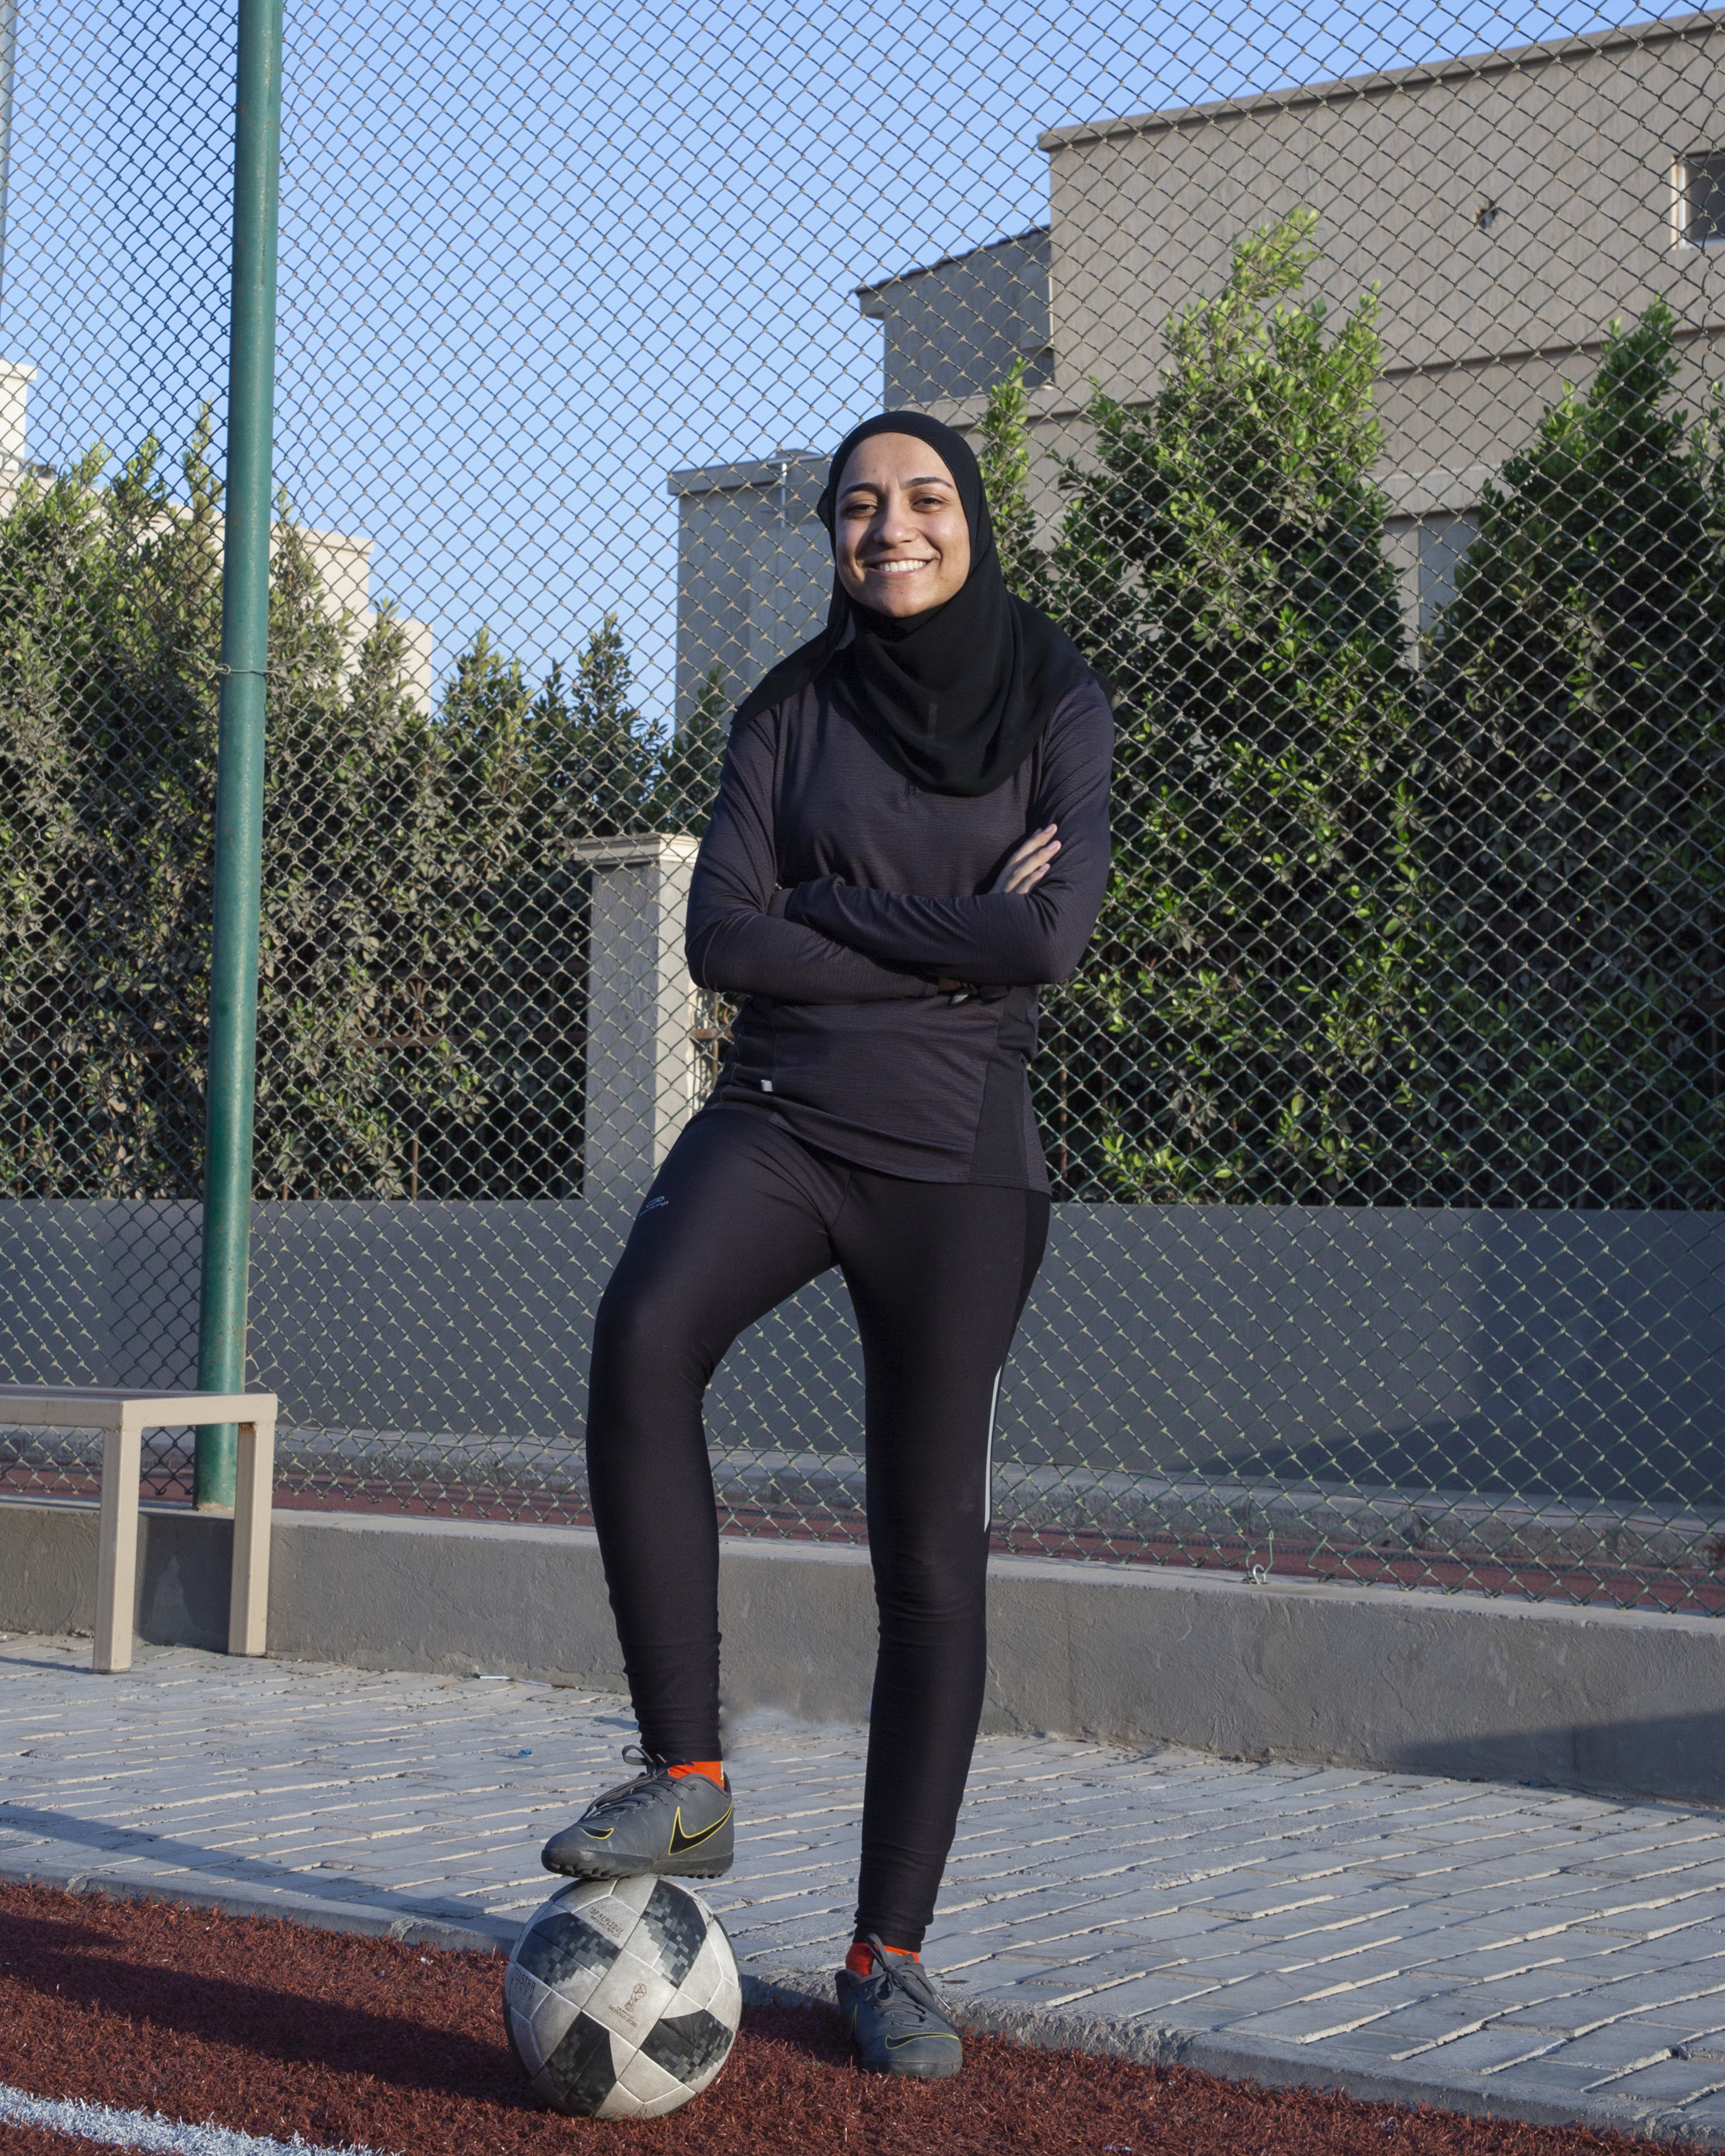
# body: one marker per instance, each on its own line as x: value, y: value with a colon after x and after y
x: 897, y: 2021
x: 669, y: 1828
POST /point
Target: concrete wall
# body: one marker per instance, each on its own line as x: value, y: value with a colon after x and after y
x: 1630, y: 1702
x: 1579, y: 1356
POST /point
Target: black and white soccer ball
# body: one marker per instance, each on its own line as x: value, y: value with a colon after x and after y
x: 622, y: 1998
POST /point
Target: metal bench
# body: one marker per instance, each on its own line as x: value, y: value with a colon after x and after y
x: 124, y: 1415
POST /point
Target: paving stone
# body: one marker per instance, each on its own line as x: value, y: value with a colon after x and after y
x: 1487, y: 2052
x: 1673, y: 2081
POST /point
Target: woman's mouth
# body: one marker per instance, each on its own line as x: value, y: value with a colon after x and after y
x: 896, y: 568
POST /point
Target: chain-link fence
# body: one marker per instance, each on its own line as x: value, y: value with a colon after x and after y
x: 1347, y: 385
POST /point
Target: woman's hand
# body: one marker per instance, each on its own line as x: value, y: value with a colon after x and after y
x: 1028, y: 863
x: 1026, y: 868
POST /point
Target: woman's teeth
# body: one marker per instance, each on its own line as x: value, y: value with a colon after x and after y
x: 897, y: 568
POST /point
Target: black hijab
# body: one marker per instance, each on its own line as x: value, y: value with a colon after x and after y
x: 957, y: 697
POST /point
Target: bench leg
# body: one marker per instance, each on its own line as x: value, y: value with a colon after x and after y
x: 117, y: 1547
x: 248, y: 1603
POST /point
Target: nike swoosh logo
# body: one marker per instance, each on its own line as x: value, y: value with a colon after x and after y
x: 680, y: 1841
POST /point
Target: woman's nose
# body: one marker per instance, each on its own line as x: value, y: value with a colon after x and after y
x: 893, y: 525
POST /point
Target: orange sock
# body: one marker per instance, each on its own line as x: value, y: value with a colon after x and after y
x: 860, y: 1960
x: 714, y: 1769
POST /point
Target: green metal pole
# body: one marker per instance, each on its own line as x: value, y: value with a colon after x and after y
x: 239, y: 754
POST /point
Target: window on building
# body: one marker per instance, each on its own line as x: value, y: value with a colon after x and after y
x: 1443, y: 540
x: 1701, y: 200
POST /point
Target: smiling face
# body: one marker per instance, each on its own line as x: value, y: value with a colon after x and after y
x: 898, y: 534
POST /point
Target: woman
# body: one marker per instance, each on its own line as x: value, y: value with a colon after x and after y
x: 911, y: 835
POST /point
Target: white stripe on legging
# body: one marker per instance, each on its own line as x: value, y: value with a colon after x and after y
x: 988, y: 1467
x: 145, y: 2129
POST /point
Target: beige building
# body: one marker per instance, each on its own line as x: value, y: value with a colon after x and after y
x: 344, y: 568
x: 1506, y: 206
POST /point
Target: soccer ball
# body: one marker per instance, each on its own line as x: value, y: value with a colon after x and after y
x: 622, y: 1998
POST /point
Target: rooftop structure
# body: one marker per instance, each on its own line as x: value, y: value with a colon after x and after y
x: 954, y: 327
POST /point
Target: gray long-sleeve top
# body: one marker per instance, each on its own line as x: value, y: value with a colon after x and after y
x: 831, y: 894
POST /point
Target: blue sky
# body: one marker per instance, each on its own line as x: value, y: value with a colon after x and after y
x: 534, y: 256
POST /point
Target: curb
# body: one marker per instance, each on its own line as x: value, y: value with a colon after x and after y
x: 1614, y: 1702
x: 462, y: 1933
x: 1158, y: 2043
x: 1271, y: 2065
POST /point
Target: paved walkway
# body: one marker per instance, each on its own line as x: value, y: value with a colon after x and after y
x: 1479, y: 1945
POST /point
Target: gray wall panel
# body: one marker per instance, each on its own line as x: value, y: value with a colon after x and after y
x: 1574, y: 1354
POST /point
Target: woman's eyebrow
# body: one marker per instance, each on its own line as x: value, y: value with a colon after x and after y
x: 872, y: 486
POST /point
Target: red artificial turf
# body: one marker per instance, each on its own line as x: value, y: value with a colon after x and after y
x: 275, y: 2029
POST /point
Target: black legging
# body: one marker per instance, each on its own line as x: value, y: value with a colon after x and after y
x: 741, y: 1216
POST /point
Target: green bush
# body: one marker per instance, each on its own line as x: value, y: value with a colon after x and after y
x: 1375, y: 936
x: 422, y: 944
x: 1245, y: 1027
x: 1577, y: 687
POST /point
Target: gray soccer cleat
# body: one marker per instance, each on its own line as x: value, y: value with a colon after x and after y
x: 896, y: 2020
x: 670, y: 1829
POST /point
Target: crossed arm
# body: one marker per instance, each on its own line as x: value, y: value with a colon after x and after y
x: 830, y: 942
